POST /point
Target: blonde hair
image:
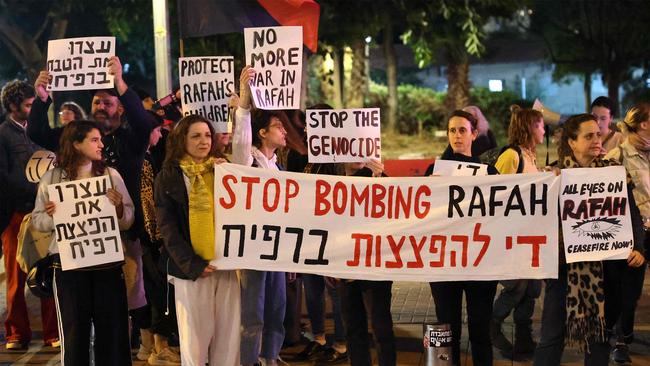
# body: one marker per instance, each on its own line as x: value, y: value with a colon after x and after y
x: 634, y: 117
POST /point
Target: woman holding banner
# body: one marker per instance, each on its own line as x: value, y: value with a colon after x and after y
x: 583, y: 304
x: 207, y: 300
x: 448, y: 296
x: 525, y: 132
x: 263, y: 293
x: 634, y: 154
x: 94, y: 295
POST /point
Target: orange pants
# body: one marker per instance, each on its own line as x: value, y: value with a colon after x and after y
x: 17, y: 323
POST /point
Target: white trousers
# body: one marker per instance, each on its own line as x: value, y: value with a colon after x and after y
x: 208, y: 313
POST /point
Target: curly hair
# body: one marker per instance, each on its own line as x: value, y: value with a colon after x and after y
x: 522, y: 120
x: 175, y: 149
x: 634, y: 117
x: 570, y: 132
x: 15, y: 92
x: 68, y: 158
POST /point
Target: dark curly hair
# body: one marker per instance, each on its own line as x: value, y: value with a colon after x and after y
x: 15, y: 92
x: 176, y: 150
x: 261, y: 120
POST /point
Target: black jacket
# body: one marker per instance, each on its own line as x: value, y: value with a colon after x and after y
x: 127, y: 144
x: 172, y: 215
x: 16, y: 192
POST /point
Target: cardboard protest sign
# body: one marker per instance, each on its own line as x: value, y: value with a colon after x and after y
x: 343, y: 135
x: 206, y: 85
x: 275, y: 53
x: 595, y: 214
x: 80, y: 63
x: 37, y: 165
x: 85, y: 223
x: 402, y: 229
x: 458, y: 168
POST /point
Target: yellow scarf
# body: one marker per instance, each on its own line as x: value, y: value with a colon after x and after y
x: 201, y: 205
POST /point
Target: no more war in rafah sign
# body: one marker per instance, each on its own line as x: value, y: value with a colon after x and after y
x: 85, y: 223
x: 410, y: 229
x: 80, y: 63
x: 275, y: 53
x: 343, y: 135
x: 206, y: 85
x: 595, y: 214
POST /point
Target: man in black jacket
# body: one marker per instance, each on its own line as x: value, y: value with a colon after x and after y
x: 18, y: 197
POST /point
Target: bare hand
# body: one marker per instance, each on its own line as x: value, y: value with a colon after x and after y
x: 115, y: 69
x: 635, y: 259
x: 40, y: 85
x: 115, y: 198
x: 209, y: 269
x: 376, y: 166
x: 247, y: 74
x: 220, y: 161
x: 50, y: 207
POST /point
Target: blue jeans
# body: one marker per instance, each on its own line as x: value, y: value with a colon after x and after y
x: 263, y: 300
x: 314, y: 297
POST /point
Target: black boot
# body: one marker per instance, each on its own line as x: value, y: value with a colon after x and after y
x: 498, y: 339
x: 524, y: 343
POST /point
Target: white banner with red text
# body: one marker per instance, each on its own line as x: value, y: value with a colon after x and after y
x: 405, y: 229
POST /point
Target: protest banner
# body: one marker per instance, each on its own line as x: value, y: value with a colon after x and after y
x: 275, y: 53
x: 343, y: 135
x: 206, y: 85
x: 85, y: 223
x: 402, y: 229
x: 80, y: 63
x: 595, y: 214
x: 458, y: 168
x: 38, y: 164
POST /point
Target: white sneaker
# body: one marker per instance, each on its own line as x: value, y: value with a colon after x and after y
x: 166, y: 357
x: 144, y: 353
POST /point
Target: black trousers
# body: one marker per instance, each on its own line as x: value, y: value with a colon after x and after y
x: 358, y: 300
x: 448, y: 297
x: 159, y: 294
x: 632, y: 290
x: 97, y: 297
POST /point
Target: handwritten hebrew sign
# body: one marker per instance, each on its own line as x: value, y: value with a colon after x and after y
x: 80, y: 63
x: 85, y: 223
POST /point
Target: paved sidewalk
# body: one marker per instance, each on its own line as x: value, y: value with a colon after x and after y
x: 411, y: 307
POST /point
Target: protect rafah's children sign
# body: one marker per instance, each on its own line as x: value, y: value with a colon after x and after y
x: 206, y: 84
x: 275, y: 53
x: 458, y: 168
x: 401, y: 229
x: 80, y: 63
x: 595, y: 214
x: 343, y: 135
x: 85, y: 223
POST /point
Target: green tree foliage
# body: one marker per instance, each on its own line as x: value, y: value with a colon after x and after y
x: 599, y: 35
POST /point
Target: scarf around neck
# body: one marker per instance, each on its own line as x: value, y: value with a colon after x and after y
x: 585, y: 299
x: 201, y: 205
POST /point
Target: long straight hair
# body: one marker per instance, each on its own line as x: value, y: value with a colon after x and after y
x: 68, y: 157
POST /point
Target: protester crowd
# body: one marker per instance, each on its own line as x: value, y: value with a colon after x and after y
x: 166, y: 290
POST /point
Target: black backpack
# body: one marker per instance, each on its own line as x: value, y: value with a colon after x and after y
x: 491, y: 156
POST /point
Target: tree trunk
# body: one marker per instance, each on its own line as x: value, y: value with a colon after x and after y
x: 613, y: 83
x: 586, y: 85
x: 458, y: 83
x: 391, y: 76
x: 338, y: 77
x: 358, y: 79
